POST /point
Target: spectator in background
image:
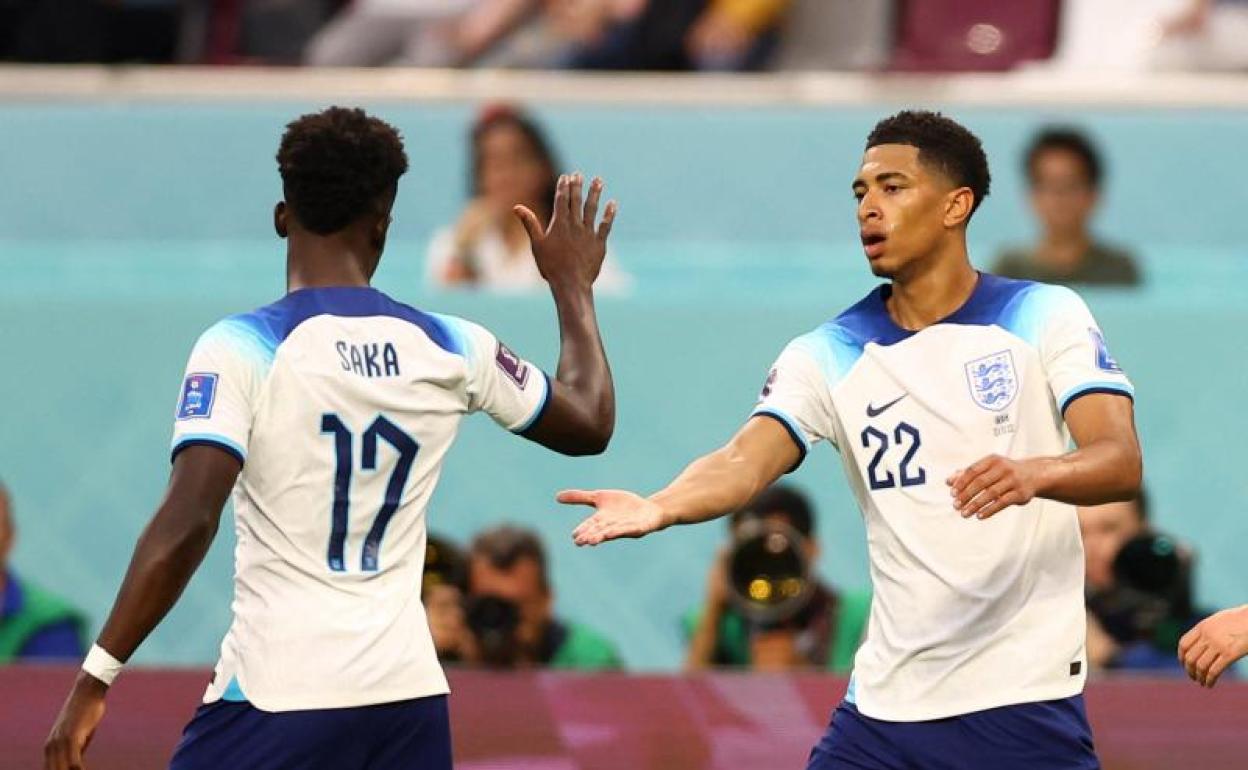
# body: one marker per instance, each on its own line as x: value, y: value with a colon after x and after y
x: 824, y: 634
x: 1138, y: 589
x: 34, y: 624
x: 444, y: 591
x: 1206, y: 35
x: 512, y: 163
x: 1064, y: 172
x: 511, y: 609
x: 735, y: 34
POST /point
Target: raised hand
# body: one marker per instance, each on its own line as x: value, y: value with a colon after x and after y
x: 617, y: 514
x: 570, y: 249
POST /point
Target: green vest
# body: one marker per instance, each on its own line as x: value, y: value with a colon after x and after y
x: 585, y: 650
x: 852, y: 611
x: 39, y: 610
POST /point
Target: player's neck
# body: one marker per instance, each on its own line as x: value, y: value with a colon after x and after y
x: 929, y: 296
x: 320, y: 262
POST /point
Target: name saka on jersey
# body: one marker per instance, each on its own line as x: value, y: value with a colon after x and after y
x: 341, y: 404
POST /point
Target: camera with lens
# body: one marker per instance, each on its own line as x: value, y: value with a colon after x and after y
x: 1151, y: 595
x: 769, y: 573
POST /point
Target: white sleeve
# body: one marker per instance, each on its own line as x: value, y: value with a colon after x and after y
x: 223, y: 376
x: 796, y: 394
x: 500, y: 383
x: 1076, y: 359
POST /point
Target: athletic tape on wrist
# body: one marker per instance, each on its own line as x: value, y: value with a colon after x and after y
x: 101, y: 665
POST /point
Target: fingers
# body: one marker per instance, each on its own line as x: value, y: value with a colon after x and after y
x: 560, y: 208
x: 575, y: 202
x: 1215, y: 670
x: 608, y: 219
x: 598, y: 529
x: 532, y: 225
x: 1204, y: 664
x: 1188, y: 641
x: 972, y: 486
x: 577, y: 497
x: 1189, y: 660
x: 591, y: 203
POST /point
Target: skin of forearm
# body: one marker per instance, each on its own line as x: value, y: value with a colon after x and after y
x: 711, y: 486
x: 1102, y: 471
x: 166, y: 556
x: 583, y: 366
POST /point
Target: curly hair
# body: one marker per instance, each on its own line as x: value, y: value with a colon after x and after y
x: 338, y: 165
x: 943, y: 143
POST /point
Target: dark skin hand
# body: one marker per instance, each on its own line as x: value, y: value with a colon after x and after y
x: 569, y: 251
x: 1105, y: 467
x: 169, y: 551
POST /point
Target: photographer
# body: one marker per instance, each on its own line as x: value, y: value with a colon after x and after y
x: 444, y: 592
x: 1138, y: 589
x: 822, y: 631
x: 510, y: 609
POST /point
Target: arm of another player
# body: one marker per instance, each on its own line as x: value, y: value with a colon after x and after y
x: 718, y: 483
x: 1214, y: 645
x: 169, y: 551
x: 1106, y: 465
x: 580, y: 416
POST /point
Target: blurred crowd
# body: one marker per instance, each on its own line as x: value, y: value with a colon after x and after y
x: 491, y: 603
x: 936, y: 35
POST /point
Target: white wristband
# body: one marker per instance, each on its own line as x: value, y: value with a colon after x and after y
x: 101, y: 665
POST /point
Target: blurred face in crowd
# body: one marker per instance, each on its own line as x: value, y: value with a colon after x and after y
x: 520, y: 584
x: 1106, y: 528
x: 6, y: 529
x: 906, y: 209
x: 1062, y: 195
x: 444, y: 606
x: 511, y: 169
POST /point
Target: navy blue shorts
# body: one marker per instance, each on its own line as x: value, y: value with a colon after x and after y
x: 406, y: 735
x: 1053, y: 735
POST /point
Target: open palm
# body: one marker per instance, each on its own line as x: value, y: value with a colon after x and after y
x: 617, y: 514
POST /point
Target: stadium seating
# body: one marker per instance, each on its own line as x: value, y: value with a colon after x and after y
x: 947, y: 35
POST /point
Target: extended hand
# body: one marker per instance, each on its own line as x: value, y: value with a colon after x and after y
x: 1215, y: 643
x: 75, y: 725
x: 570, y: 249
x: 618, y: 514
x: 992, y: 484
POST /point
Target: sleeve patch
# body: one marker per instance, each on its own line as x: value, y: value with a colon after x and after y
x: 1104, y: 361
x: 512, y: 365
x: 199, y: 390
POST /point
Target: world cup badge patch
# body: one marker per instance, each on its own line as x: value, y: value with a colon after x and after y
x: 993, y: 380
x: 198, y: 392
x: 512, y: 365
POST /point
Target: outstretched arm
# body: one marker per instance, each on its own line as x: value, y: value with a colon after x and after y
x: 580, y: 416
x: 721, y: 482
x: 1106, y: 465
x: 169, y: 551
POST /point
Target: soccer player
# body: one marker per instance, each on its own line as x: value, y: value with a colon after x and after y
x: 328, y: 413
x: 951, y: 396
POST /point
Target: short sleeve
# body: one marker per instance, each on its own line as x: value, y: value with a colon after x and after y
x: 796, y: 395
x: 500, y: 383
x: 1076, y: 357
x: 216, y: 404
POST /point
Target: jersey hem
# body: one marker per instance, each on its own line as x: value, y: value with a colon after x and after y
x: 204, y: 439
x: 791, y: 428
x: 1017, y: 698
x: 351, y: 700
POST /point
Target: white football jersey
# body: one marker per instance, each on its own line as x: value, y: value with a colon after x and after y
x: 341, y: 404
x: 966, y: 614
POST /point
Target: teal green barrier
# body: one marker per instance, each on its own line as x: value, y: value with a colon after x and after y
x: 125, y: 231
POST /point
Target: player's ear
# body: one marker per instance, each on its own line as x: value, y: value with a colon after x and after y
x: 958, y: 206
x: 279, y: 219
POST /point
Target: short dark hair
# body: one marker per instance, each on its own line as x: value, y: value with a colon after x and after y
x: 782, y: 499
x: 1065, y: 139
x: 338, y: 165
x: 506, y: 544
x: 942, y: 143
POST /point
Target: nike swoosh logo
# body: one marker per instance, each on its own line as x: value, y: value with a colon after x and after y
x: 876, y: 412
